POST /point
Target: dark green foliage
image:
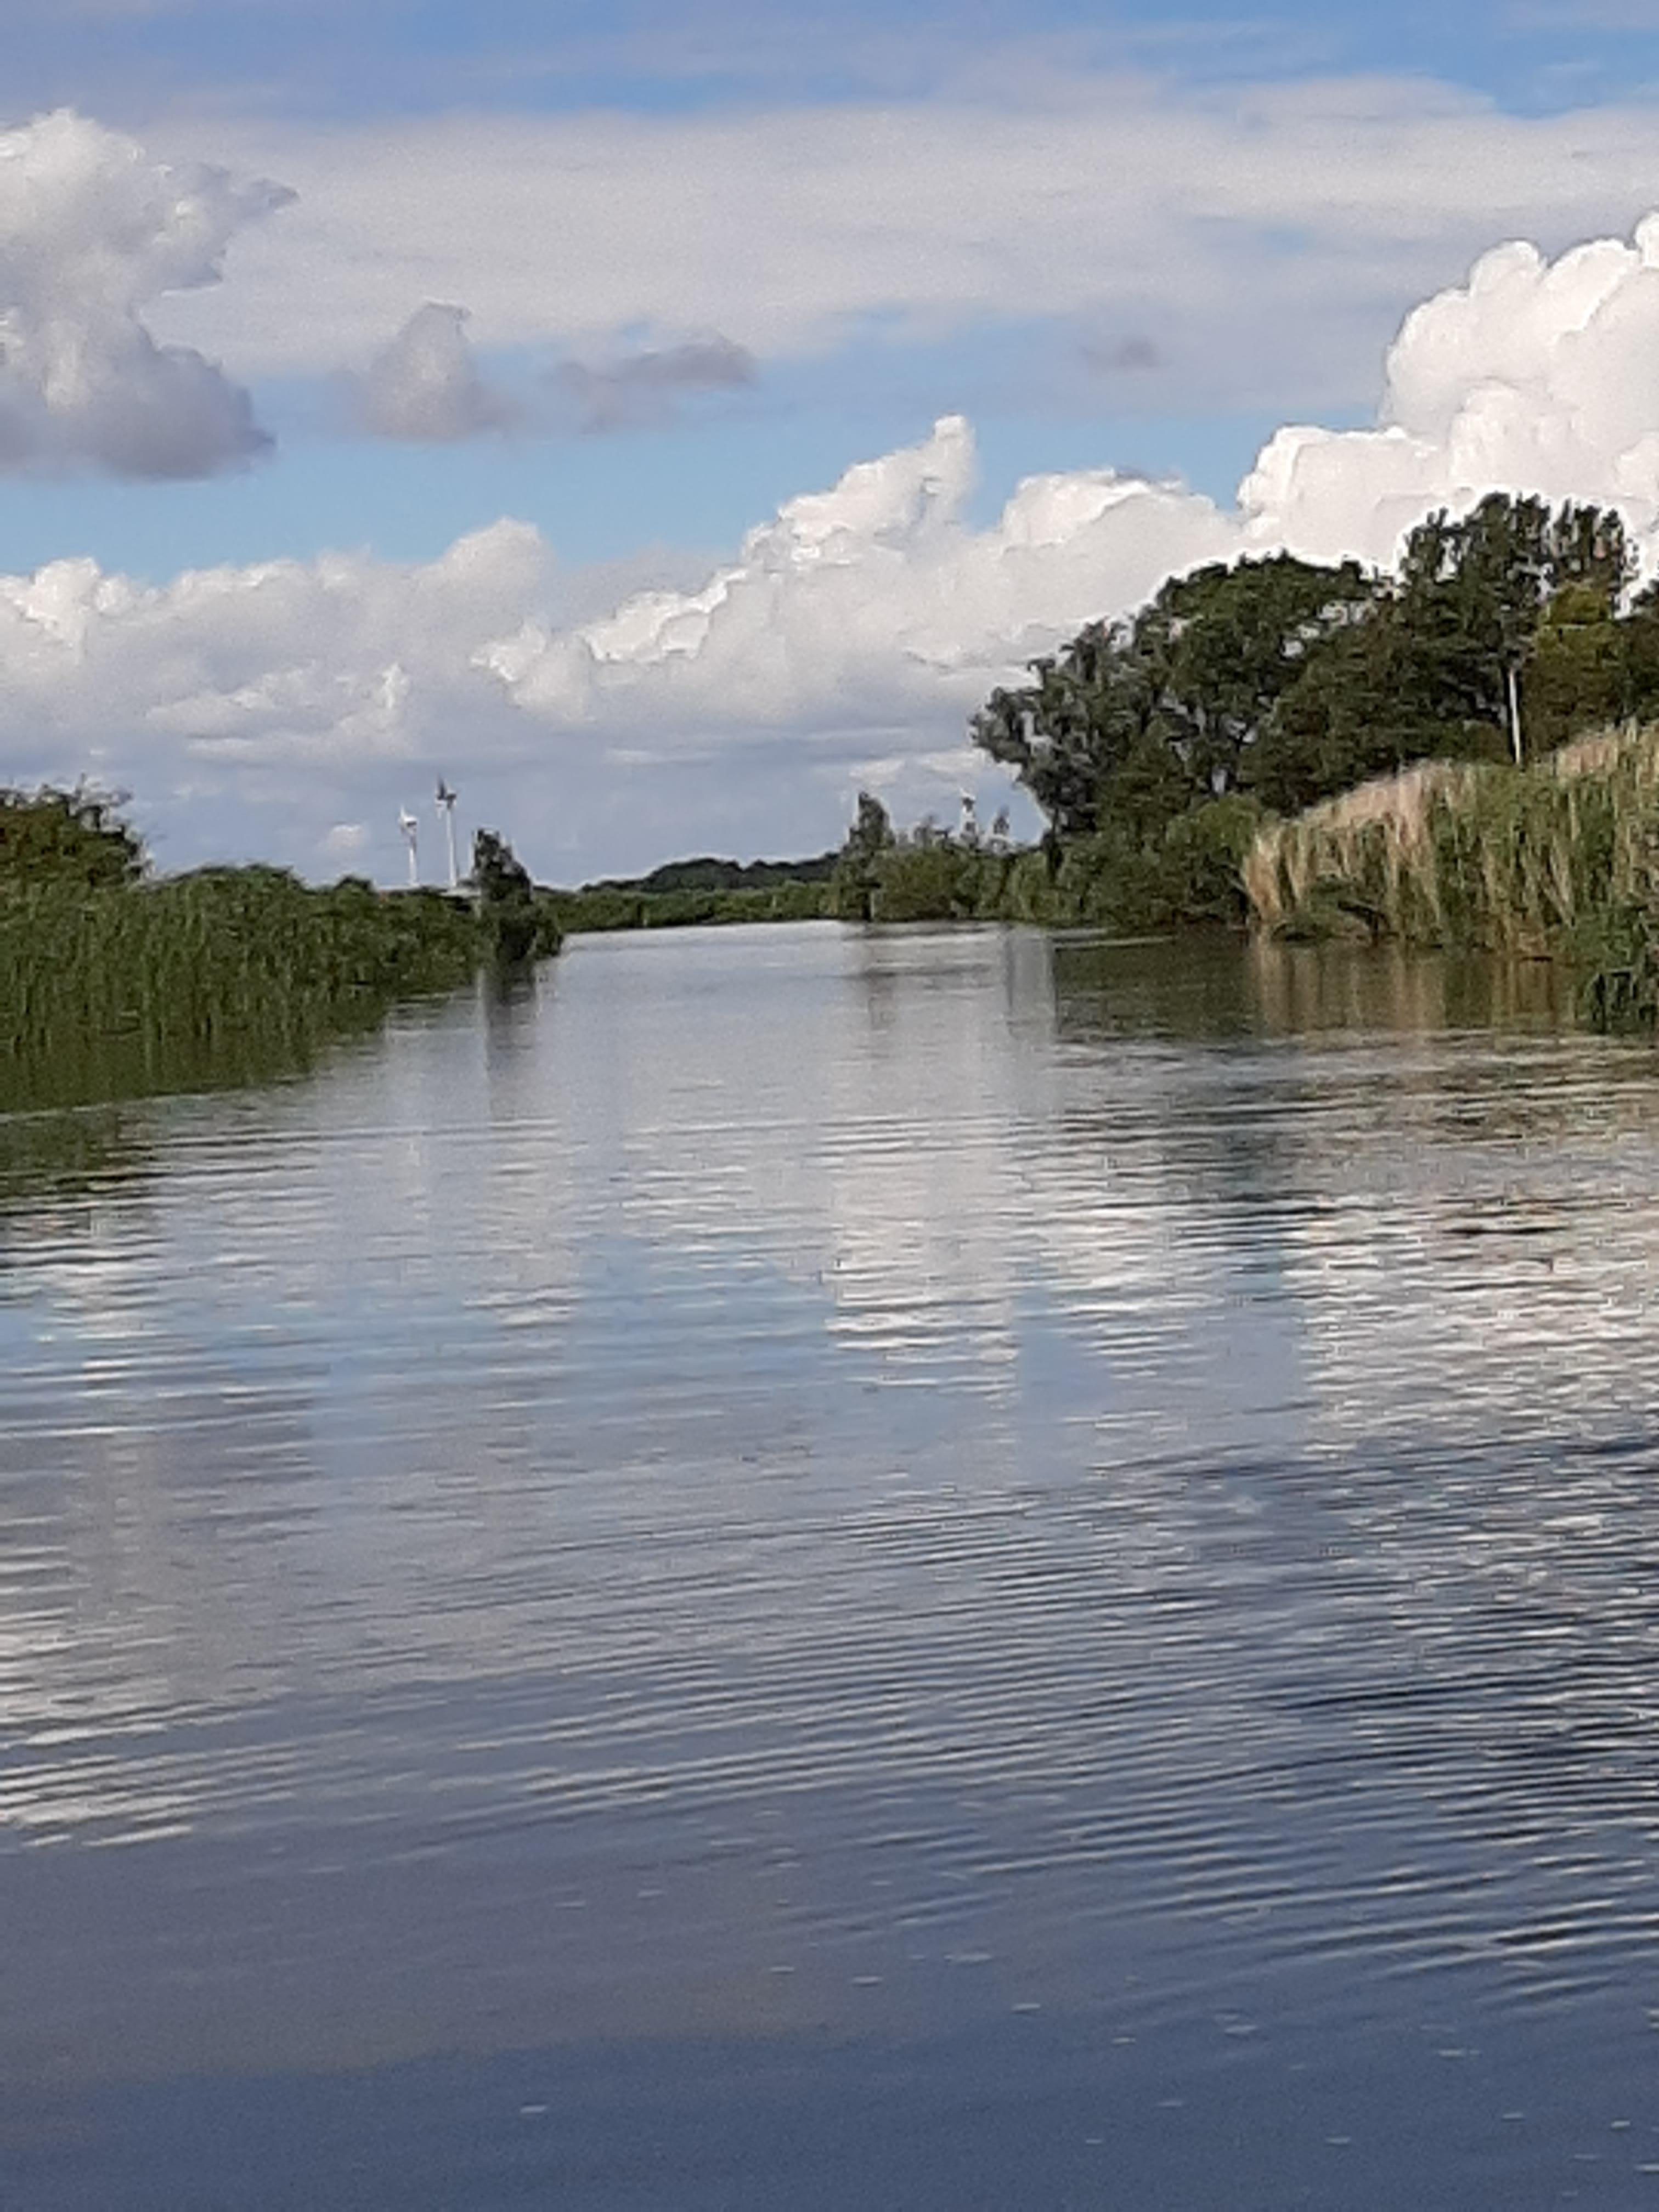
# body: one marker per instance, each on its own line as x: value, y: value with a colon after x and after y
x: 1133, y: 722
x: 221, y: 950
x: 1203, y: 853
x: 683, y: 893
x: 52, y: 836
x: 707, y: 874
x: 857, y: 875
x: 1293, y: 682
x: 1129, y: 885
x: 599, y: 907
x: 609, y: 906
x: 927, y: 878
x: 520, y: 923
x: 1106, y: 881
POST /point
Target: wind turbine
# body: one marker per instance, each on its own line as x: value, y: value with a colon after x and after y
x: 411, y: 829
x: 447, y: 810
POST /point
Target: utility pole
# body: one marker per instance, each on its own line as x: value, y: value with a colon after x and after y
x: 1514, y: 689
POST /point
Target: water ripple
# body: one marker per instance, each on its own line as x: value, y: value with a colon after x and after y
x: 889, y: 1417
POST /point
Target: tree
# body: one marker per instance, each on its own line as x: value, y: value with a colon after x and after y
x: 1289, y: 681
x: 76, y: 837
x: 854, y: 885
x: 519, y: 925
x: 1135, y: 721
x: 1474, y: 595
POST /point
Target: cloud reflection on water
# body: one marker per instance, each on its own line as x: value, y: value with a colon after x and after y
x: 909, y: 1447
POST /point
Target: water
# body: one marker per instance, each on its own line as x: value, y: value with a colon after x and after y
x: 925, y: 1570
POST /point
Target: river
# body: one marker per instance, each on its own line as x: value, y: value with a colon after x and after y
x: 797, y: 1566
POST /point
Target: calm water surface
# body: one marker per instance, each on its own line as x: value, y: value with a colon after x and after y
x: 802, y: 1568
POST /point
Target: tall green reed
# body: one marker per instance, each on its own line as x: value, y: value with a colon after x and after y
x: 1559, y: 859
x: 221, y: 961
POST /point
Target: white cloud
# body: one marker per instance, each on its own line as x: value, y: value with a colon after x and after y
x: 425, y: 384
x: 1261, y: 239
x: 1535, y: 376
x: 866, y: 607
x: 92, y: 233
x: 251, y: 709
x: 847, y: 639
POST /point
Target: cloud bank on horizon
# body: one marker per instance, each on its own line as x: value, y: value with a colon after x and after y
x: 845, y: 642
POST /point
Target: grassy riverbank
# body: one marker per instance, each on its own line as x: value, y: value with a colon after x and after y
x: 1559, y: 859
x: 111, y: 983
x: 246, y: 948
x: 105, y: 987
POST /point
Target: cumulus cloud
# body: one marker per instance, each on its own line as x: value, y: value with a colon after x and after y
x: 425, y: 384
x: 868, y: 606
x: 640, y: 390
x: 252, y: 709
x: 91, y: 234
x: 1537, y: 376
x: 845, y: 640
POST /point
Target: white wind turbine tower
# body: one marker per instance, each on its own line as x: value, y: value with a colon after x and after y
x: 411, y: 829
x: 445, y: 803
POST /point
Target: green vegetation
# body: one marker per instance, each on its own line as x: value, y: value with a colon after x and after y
x: 1155, y: 745
x: 1189, y: 873
x: 1501, y: 636
x: 1165, y: 749
x: 683, y: 893
x: 68, y: 838
x: 1556, y: 859
x: 518, y: 922
x: 111, y: 983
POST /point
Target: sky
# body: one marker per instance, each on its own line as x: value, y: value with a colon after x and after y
x: 662, y: 424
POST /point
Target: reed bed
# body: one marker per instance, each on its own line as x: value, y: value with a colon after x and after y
x: 214, y: 957
x: 1466, y: 853
x: 1557, y: 860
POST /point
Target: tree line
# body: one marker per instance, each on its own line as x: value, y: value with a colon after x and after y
x: 1284, y: 681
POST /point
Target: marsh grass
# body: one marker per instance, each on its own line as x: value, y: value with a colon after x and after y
x: 111, y: 989
x: 1557, y: 861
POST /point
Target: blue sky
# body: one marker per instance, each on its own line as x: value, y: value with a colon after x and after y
x: 134, y: 56
x: 640, y: 281
x: 136, y: 63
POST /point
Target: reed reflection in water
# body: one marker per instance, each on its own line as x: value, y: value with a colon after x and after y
x: 916, y: 1568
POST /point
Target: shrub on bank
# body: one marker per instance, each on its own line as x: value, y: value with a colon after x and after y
x: 110, y: 983
x: 1186, y: 874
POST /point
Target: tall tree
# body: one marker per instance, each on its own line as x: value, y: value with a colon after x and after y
x: 1473, y: 595
x: 1134, y: 721
x: 857, y: 875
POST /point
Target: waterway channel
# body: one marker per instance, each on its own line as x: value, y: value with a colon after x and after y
x: 915, y: 1569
